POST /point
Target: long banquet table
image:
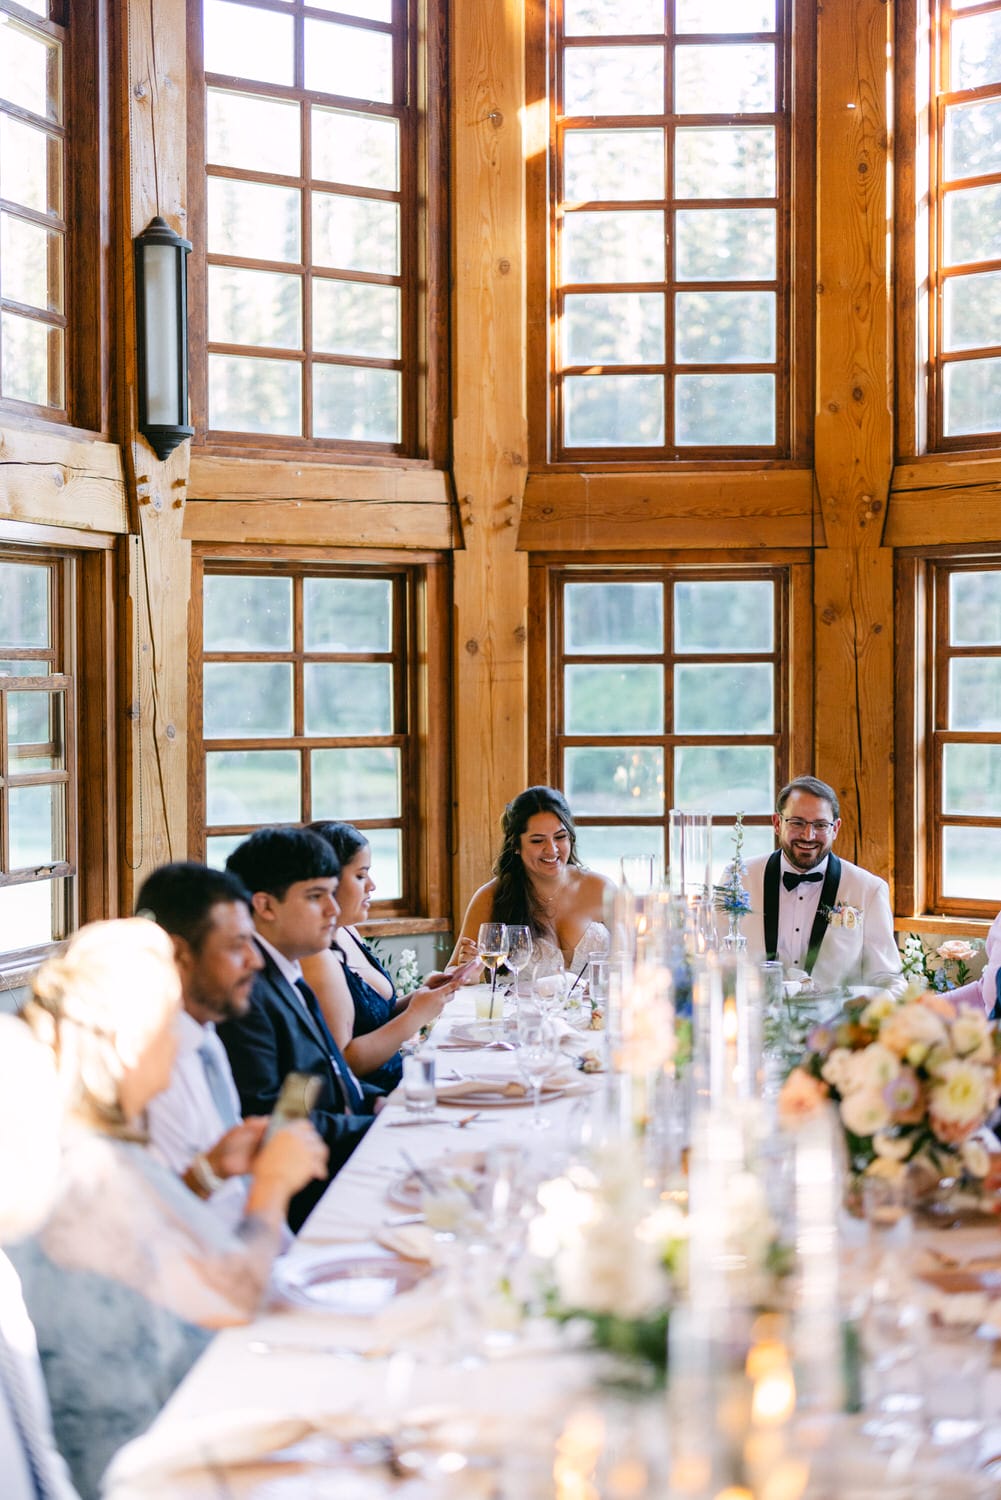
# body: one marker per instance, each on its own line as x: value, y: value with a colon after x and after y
x: 303, y: 1404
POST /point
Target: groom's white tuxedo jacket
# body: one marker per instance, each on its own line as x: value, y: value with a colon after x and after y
x: 862, y: 953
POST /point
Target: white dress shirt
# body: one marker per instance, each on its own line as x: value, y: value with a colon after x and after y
x: 24, y: 1408
x: 797, y: 910
x: 291, y: 970
x: 184, y: 1120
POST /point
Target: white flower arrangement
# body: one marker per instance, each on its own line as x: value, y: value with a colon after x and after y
x: 943, y: 968
x: 407, y: 975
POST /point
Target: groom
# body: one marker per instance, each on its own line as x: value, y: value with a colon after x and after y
x: 814, y: 911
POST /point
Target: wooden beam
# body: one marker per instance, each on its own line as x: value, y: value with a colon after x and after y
x: 490, y: 426
x: 756, y: 508
x: 853, y: 589
x: 57, y: 479
x: 243, y: 479
x: 361, y: 523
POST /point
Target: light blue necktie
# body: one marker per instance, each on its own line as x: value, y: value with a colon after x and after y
x: 222, y: 1098
x: 25, y: 1422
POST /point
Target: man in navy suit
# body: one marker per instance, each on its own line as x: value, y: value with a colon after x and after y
x: 292, y: 875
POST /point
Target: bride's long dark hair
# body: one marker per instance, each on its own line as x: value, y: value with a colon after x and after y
x: 515, y: 901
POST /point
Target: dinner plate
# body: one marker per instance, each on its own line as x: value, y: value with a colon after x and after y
x: 405, y: 1191
x: 350, y: 1287
x: 489, y: 1099
x: 477, y: 1033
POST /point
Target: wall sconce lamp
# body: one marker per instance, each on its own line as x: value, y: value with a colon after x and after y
x: 162, y: 336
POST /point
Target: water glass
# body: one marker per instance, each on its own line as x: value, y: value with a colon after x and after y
x: 955, y: 1362
x: 418, y: 1084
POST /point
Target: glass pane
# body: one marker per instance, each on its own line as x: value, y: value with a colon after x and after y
x: 732, y: 699
x: 218, y: 850
x: 975, y: 693
x: 613, y: 81
x: 724, y: 778
x: 602, y: 848
x: 245, y: 130
x: 253, y: 220
x: 724, y: 410
x: 368, y: 10
x: 613, y: 617
x: 247, y: 700
x: 971, y: 779
x: 32, y: 368
x: 24, y: 605
x: 971, y: 860
x: 725, y: 244
x: 972, y: 397
x: 241, y: 41
x: 23, y: 668
x: 972, y: 225
x: 387, y: 862
x: 735, y: 162
x: 363, y: 150
x: 975, y: 608
x: 725, y: 80
x: 349, y: 697
x: 32, y: 914
x: 35, y: 739
x: 354, y: 317
x: 605, y: 781
x: 358, y: 405
x: 613, y: 164
x: 614, y: 700
x: 613, y: 411
x: 30, y: 166
x: 247, y: 614
x: 613, y: 17
x: 725, y: 15
x: 627, y: 245
x: 30, y: 70
x: 729, y: 615
x: 613, y: 328
x: 348, y: 614
x: 255, y: 307
x: 360, y: 783
x: 252, y: 787
x: 756, y: 841
x: 724, y: 327
x: 356, y: 234
x: 255, y: 395
x: 31, y: 263
x: 37, y: 825
x: 976, y: 51
x: 972, y: 139
x: 349, y: 61
x: 972, y: 311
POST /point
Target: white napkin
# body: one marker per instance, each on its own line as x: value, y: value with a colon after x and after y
x: 410, y: 1241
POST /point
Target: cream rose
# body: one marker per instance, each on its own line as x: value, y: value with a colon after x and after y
x: 864, y: 1112
x: 872, y: 1068
x: 959, y: 1100
x: 971, y: 1036
x: 879, y: 1007
x: 891, y: 1147
x: 975, y: 1158
x: 912, y: 1031
x: 835, y: 1070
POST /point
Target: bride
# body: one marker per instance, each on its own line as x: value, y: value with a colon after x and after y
x: 539, y: 882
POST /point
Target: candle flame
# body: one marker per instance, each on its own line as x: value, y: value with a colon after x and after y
x: 730, y: 1020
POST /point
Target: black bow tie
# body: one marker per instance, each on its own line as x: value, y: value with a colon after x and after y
x: 791, y: 881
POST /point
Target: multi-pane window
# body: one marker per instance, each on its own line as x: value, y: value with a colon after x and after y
x: 668, y: 690
x: 671, y: 231
x: 37, y: 762
x: 310, y: 150
x: 965, y: 821
x: 32, y: 211
x: 966, y: 302
x: 306, y: 708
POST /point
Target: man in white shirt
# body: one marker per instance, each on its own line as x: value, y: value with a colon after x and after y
x: 813, y: 911
x: 195, y: 1125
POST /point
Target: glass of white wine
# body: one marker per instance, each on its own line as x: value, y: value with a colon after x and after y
x: 492, y: 945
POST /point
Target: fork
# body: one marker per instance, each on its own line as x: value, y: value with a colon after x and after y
x: 466, y: 1120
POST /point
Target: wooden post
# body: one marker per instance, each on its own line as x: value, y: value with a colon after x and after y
x: 490, y: 427
x: 853, y: 581
x: 155, y: 568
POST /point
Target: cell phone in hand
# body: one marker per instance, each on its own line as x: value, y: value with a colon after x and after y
x: 296, y: 1100
x: 455, y: 977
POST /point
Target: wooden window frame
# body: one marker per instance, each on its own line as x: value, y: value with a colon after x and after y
x: 87, y: 218
x: 422, y: 702
x: 795, y: 282
x: 793, y: 736
x: 423, y: 112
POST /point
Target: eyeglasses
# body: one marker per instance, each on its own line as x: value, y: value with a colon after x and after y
x: 797, y: 825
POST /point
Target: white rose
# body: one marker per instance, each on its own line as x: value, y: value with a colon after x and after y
x: 879, y: 1007
x: 872, y: 1068
x: 892, y: 1147
x: 836, y: 1070
x: 865, y: 1112
x: 912, y: 1031
x: 975, y: 1158
x: 960, y: 1097
x: 971, y: 1036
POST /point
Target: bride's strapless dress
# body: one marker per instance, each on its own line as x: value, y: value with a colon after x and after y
x: 595, y: 943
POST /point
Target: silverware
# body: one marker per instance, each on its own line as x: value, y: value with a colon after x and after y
x: 294, y: 1346
x: 466, y: 1120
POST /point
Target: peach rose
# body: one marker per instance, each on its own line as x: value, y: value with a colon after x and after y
x: 800, y: 1097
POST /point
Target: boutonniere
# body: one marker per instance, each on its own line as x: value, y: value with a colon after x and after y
x: 843, y: 915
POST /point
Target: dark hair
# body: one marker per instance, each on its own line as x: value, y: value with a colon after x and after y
x: 344, y: 838
x: 272, y: 859
x: 814, y: 788
x: 180, y: 897
x: 514, y: 897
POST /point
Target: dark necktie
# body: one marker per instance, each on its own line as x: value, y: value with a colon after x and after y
x: 352, y: 1096
x: 791, y: 881
x: 996, y: 1012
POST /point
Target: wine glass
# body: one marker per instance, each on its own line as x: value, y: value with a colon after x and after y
x: 536, y: 1055
x: 491, y: 945
x: 519, y: 951
x: 550, y: 979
